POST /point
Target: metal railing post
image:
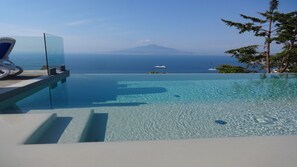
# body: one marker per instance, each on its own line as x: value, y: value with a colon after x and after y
x: 46, y: 58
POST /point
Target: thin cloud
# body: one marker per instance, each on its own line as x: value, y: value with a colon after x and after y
x: 79, y: 22
x: 83, y: 22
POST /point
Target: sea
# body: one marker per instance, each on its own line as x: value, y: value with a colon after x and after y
x: 98, y: 63
x: 91, y: 63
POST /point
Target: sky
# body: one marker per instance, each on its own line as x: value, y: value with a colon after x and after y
x: 92, y: 26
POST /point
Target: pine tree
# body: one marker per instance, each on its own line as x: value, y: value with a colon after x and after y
x: 286, y: 35
x: 249, y: 54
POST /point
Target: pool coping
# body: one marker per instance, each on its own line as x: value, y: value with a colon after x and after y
x: 272, y: 151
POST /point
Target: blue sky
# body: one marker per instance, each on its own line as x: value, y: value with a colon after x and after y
x: 105, y: 25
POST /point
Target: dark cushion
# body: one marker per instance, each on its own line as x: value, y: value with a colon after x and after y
x: 3, y: 49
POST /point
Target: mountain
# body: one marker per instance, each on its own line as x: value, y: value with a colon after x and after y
x: 151, y: 50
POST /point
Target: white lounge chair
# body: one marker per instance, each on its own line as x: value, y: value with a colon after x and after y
x: 7, y: 67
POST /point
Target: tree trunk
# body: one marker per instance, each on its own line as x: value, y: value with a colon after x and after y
x: 285, y: 64
x: 286, y: 59
x: 267, y: 53
x: 267, y: 47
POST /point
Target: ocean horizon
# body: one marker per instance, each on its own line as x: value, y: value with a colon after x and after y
x: 92, y: 63
x: 115, y: 63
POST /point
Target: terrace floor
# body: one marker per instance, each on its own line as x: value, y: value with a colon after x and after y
x: 12, y: 86
x: 26, y: 75
x: 15, y: 129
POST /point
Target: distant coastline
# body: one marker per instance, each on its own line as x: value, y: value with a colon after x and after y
x: 149, y: 50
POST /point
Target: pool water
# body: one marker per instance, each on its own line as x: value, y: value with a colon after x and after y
x: 171, y: 106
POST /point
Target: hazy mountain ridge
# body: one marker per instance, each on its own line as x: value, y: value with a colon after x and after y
x: 150, y: 50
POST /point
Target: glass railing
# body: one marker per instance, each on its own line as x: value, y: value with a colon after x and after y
x: 54, y: 49
x: 28, y: 53
x: 39, y: 52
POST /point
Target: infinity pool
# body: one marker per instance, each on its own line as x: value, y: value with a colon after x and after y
x: 171, y: 106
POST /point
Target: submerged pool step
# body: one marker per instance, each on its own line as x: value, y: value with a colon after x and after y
x: 75, y: 130
x: 67, y: 128
x: 95, y: 128
x: 50, y: 131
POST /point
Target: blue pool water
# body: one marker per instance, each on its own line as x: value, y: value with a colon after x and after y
x: 171, y: 106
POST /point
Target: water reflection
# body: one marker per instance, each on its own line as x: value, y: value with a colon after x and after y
x: 78, y: 91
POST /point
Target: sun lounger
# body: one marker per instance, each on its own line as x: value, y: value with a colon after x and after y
x: 7, y: 67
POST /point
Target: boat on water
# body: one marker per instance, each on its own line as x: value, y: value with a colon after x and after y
x: 160, y: 67
x: 212, y: 69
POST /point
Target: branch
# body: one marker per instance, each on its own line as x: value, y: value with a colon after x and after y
x: 243, y: 27
x: 254, y: 19
x: 247, y: 55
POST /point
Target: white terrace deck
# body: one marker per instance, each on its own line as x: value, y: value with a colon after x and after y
x: 26, y: 75
x: 225, y: 152
x: 28, y: 80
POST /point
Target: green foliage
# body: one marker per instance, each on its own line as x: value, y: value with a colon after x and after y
x: 286, y: 61
x: 273, y: 5
x: 293, y: 69
x: 287, y: 27
x: 231, y: 69
x: 248, y: 55
x: 261, y: 27
x: 273, y: 26
x: 253, y: 19
x: 254, y: 24
x: 245, y: 27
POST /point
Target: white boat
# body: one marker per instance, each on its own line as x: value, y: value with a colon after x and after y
x: 274, y: 70
x: 212, y: 69
x: 160, y: 67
